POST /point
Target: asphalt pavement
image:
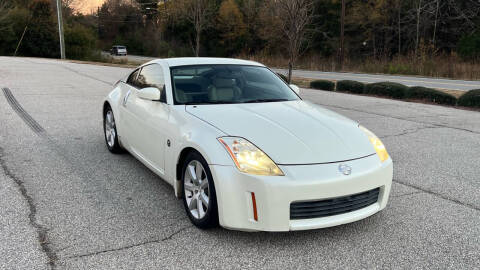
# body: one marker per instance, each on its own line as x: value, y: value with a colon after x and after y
x: 67, y: 203
x: 462, y: 85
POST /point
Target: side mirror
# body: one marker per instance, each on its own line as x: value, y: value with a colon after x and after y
x: 295, y: 88
x: 149, y: 93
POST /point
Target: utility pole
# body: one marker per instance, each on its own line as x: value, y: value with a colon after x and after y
x: 342, y: 36
x: 60, y: 29
x: 20, y: 41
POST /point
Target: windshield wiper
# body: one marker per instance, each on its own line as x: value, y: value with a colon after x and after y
x: 266, y: 100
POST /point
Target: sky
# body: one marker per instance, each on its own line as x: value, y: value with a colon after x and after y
x: 86, y: 6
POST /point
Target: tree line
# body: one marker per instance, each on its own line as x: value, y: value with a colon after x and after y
x: 289, y: 29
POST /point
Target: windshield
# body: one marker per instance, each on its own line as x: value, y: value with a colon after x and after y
x: 221, y: 84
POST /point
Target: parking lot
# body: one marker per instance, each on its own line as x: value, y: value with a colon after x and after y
x: 67, y: 203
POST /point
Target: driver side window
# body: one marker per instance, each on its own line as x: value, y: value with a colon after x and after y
x: 132, y: 79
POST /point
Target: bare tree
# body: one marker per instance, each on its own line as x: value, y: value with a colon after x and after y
x: 294, y: 17
x: 419, y: 10
x: 197, y: 12
x: 436, y: 22
x: 4, y: 12
x: 399, y: 25
x: 342, y: 36
x: 250, y: 10
x: 428, y: 7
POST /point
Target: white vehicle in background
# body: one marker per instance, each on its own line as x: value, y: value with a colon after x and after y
x: 243, y: 150
x: 118, y: 50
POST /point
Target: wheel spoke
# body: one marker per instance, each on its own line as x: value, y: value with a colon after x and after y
x: 204, y: 184
x: 191, y: 172
x: 188, y: 186
x: 204, y: 199
x: 201, y: 212
x: 198, y: 170
x: 192, y: 204
x: 112, y: 137
x: 109, y: 118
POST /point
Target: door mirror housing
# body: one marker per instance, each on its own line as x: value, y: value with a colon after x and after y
x: 295, y: 88
x: 149, y: 93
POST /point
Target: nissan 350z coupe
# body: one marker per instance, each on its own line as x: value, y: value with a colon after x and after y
x: 243, y: 150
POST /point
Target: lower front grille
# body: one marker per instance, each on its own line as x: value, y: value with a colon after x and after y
x: 334, y: 206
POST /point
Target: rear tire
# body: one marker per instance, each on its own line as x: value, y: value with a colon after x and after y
x: 199, y: 195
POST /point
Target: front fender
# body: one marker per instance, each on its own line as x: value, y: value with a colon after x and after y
x: 194, y: 133
x: 199, y: 135
x: 114, y: 100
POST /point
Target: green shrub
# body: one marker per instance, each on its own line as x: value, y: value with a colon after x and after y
x: 389, y: 89
x: 432, y: 95
x: 284, y: 78
x: 79, y: 42
x: 350, y: 86
x: 322, y: 85
x: 470, y: 99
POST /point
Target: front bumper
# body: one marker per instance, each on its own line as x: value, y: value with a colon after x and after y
x: 273, y: 194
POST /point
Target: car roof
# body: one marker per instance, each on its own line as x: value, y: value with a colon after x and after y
x: 188, y: 61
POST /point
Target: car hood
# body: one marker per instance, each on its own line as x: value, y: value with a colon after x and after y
x: 291, y: 132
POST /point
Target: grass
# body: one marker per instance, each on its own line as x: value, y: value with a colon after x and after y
x: 106, y: 63
x: 440, y: 66
x: 455, y: 93
x: 302, y: 82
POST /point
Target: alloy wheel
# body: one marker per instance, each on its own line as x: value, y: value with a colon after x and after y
x: 196, y: 189
x: 110, y: 132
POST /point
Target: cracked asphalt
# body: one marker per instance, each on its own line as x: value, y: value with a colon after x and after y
x: 67, y: 203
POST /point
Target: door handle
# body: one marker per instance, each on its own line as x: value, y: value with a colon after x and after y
x: 125, y: 98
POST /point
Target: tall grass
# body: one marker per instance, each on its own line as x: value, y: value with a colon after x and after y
x: 444, y: 65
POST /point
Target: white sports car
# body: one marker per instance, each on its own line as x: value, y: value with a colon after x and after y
x: 243, y: 150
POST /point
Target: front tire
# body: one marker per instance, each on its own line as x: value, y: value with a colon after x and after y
x: 199, y: 196
x: 110, y: 132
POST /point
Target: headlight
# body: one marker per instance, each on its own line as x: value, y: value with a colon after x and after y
x: 248, y: 158
x: 377, y: 144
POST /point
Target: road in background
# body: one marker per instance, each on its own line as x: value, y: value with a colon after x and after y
x: 365, y: 78
x: 372, y: 78
x: 65, y: 198
x: 137, y: 59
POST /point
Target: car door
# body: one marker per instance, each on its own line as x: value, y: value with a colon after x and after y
x: 147, y: 119
x: 125, y: 118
